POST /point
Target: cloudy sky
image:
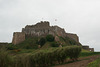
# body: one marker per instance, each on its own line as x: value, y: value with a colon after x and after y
x: 81, y: 17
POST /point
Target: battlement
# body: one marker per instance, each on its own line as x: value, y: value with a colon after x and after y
x: 42, y: 28
x: 41, y: 24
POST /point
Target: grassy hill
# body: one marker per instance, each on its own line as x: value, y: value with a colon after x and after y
x: 28, y: 53
x: 33, y: 42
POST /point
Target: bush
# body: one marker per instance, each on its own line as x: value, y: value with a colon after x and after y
x: 50, y: 38
x: 54, y: 44
x: 60, y: 55
x: 29, y: 43
x: 11, y: 47
x: 5, y: 59
x: 73, y: 52
x: 49, y: 57
x: 42, y: 58
x: 23, y: 61
x: 42, y: 41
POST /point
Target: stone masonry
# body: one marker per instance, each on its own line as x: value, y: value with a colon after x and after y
x: 42, y: 28
x: 86, y: 47
x: 73, y: 36
x: 18, y: 37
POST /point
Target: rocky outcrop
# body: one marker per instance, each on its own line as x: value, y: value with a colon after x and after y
x: 42, y: 28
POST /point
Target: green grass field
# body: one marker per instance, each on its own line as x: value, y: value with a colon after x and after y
x: 85, y: 53
x: 95, y: 63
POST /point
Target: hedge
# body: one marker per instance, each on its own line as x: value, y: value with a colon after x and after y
x: 44, y: 58
x: 41, y: 58
x: 5, y: 59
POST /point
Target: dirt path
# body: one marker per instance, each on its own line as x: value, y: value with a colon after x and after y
x: 82, y: 63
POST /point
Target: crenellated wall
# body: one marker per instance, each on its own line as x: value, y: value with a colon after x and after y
x: 42, y: 28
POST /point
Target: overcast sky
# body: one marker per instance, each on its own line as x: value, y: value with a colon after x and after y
x: 81, y: 17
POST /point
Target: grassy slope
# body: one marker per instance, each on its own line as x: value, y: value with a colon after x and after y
x: 25, y: 52
x: 32, y: 43
x: 30, y: 46
x: 85, y: 53
x: 95, y: 63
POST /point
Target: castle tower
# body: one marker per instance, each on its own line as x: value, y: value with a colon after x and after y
x: 18, y: 37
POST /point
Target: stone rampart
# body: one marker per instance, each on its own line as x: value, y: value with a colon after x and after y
x: 73, y: 36
x: 42, y: 28
x: 18, y: 37
x: 86, y: 47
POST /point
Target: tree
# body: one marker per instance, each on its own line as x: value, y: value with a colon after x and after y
x: 50, y: 38
x: 42, y: 41
x: 55, y: 44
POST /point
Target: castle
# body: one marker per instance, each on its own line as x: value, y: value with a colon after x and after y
x: 41, y: 29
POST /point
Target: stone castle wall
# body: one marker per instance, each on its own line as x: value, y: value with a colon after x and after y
x: 39, y: 29
x: 87, y: 48
x: 42, y: 28
x: 73, y: 36
x: 18, y: 37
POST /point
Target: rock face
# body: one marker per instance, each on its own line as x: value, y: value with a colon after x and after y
x: 42, y: 28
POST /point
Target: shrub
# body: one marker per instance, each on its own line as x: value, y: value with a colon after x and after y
x: 50, y: 38
x: 5, y: 59
x: 23, y: 61
x: 11, y: 47
x: 60, y: 55
x: 54, y: 44
x: 42, y: 41
x: 29, y: 43
x: 43, y: 58
x: 73, y: 52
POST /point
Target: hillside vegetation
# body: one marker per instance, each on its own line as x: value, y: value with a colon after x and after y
x: 44, y: 42
x: 39, y: 58
x: 41, y: 52
x: 95, y: 63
